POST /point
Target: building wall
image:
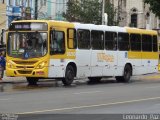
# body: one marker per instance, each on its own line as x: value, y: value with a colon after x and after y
x: 52, y: 10
x: 3, y: 17
x: 129, y: 7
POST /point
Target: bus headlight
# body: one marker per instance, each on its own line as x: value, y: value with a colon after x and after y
x: 41, y: 65
x: 10, y: 65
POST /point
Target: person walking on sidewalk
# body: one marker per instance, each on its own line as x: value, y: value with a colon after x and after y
x: 2, y: 64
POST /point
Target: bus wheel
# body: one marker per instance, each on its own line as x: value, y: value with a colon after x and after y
x: 32, y: 80
x: 69, y: 76
x: 94, y: 79
x: 126, y: 75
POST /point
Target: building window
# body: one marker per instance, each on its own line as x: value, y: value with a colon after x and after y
x: 134, y: 20
x: 17, y: 2
x: 45, y: 2
x: 10, y: 2
x: 2, y: 1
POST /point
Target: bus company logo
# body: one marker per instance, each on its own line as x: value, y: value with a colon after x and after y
x: 104, y: 57
x: 71, y: 54
x: 25, y: 67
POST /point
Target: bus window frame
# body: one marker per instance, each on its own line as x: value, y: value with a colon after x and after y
x: 134, y: 41
x: 113, y: 41
x: 89, y: 46
x: 74, y: 38
x: 102, y: 47
x: 144, y: 45
x: 123, y: 41
x: 52, y: 32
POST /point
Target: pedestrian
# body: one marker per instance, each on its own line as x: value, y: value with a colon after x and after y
x: 2, y: 64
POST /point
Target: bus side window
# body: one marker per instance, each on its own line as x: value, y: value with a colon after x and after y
x: 146, y: 43
x: 71, y: 38
x: 110, y: 40
x: 97, y: 40
x: 57, y: 43
x: 155, y: 44
x: 83, y: 37
x: 123, y: 41
x: 135, y: 41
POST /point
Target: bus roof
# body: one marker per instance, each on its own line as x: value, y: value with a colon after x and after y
x: 92, y: 26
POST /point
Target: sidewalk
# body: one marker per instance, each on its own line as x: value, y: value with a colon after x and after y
x: 12, y: 79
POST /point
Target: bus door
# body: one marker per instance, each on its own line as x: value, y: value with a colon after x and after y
x: 122, y: 55
x: 97, y: 64
x: 57, y: 52
x: 110, y: 56
x: 110, y: 63
x: 147, y: 53
x: 83, y: 53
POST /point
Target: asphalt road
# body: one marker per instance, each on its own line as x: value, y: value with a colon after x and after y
x: 82, y: 101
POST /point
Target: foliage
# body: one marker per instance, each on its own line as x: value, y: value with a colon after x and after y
x: 88, y: 11
x: 154, y: 6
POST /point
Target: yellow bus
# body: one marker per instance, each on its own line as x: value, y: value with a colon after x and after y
x: 51, y: 49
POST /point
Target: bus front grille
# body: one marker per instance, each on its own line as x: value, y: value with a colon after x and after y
x: 30, y: 67
x: 25, y: 62
x: 24, y: 72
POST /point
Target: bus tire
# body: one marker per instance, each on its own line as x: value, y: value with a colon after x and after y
x: 69, y: 76
x: 94, y: 79
x: 126, y: 75
x: 32, y: 80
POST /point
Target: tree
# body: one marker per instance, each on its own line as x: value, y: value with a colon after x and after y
x: 154, y: 6
x: 88, y: 11
x: 109, y: 9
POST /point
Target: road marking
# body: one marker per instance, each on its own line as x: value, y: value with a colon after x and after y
x: 91, y: 92
x: 4, y: 99
x: 151, y: 77
x: 89, y: 106
x: 153, y: 87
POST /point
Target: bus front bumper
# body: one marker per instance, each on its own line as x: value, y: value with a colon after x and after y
x: 27, y: 72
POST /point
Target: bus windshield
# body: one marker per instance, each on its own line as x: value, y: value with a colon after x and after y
x: 27, y: 44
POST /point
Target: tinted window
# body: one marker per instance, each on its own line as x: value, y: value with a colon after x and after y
x: 123, y: 41
x: 83, y: 39
x: 97, y: 40
x: 135, y: 40
x: 111, y: 41
x: 146, y: 42
x: 155, y: 44
x: 57, y: 43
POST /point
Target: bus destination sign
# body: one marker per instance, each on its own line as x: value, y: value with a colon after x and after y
x: 22, y: 26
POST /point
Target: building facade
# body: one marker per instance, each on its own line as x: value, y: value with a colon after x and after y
x: 135, y: 13
x: 25, y: 9
x: 3, y: 17
x: 55, y: 9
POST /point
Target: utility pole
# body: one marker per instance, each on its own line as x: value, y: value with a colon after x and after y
x: 36, y: 9
x: 103, y: 9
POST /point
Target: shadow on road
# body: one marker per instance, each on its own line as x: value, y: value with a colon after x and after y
x: 50, y: 84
